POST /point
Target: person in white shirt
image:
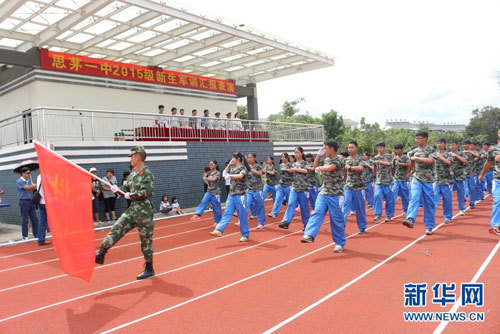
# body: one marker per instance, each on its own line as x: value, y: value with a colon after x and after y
x: 176, y: 209
x: 218, y: 124
x: 237, y: 122
x: 174, y: 120
x: 229, y: 122
x: 182, y: 120
x: 165, y: 206
x: 42, y: 226
x: 161, y: 119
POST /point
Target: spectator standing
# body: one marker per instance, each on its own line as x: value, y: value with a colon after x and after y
x: 25, y: 189
x: 42, y: 227
x: 182, y: 119
x: 161, y: 119
x: 218, y: 123
x: 96, y: 191
x: 206, y: 123
x: 174, y: 120
x: 193, y: 120
x: 109, y: 196
x: 229, y: 122
x: 237, y: 122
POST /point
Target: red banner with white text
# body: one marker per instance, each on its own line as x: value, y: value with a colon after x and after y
x: 66, y: 62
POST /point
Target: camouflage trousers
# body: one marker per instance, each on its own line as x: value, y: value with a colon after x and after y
x: 128, y: 220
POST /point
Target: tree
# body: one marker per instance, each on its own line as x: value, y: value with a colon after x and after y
x: 243, y: 112
x: 333, y: 124
x: 483, y: 126
x: 288, y: 110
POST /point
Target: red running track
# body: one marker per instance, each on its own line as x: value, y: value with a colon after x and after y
x: 271, y: 283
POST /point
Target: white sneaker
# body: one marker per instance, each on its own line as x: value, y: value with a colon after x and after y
x: 237, y: 223
x: 338, y: 249
x: 260, y: 227
x: 462, y: 213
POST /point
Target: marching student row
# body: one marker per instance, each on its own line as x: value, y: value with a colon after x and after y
x: 420, y: 178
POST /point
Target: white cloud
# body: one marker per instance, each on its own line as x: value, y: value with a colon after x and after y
x: 425, y: 60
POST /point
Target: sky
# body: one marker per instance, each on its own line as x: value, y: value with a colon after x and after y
x: 432, y: 61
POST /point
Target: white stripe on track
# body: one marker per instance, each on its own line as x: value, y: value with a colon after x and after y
x: 234, y: 283
x: 478, y: 274
x: 348, y: 284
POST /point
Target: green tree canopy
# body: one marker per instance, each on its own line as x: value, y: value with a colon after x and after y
x: 484, y: 123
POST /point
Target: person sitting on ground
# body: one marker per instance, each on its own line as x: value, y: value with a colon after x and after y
x: 176, y: 209
x: 165, y: 206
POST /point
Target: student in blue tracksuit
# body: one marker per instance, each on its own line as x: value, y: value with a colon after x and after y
x: 236, y: 171
x: 493, y: 159
x: 328, y: 198
x: 488, y: 177
x: 471, y: 179
x: 368, y: 179
x: 212, y: 195
x: 444, y: 179
x: 422, y: 160
x: 400, y: 163
x: 311, y: 180
x: 254, y: 189
x: 300, y: 191
x: 383, y: 184
x: 271, y: 178
x: 283, y: 191
x: 458, y: 162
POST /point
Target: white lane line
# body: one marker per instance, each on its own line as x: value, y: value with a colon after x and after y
x: 137, y: 281
x: 478, y: 274
x: 130, y: 259
x: 234, y: 283
x: 348, y: 284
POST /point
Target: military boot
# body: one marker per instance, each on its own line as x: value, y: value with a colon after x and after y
x: 148, y: 271
x: 99, y: 257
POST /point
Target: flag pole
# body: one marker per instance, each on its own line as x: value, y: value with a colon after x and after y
x: 77, y: 166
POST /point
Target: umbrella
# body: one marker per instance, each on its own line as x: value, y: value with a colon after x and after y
x: 31, y: 164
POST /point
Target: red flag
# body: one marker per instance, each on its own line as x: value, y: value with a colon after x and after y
x: 68, y: 200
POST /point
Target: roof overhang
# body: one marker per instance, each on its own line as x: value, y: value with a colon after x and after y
x: 150, y: 33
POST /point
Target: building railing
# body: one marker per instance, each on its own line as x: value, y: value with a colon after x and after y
x: 60, y: 124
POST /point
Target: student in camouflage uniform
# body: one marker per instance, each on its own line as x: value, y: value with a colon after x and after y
x: 383, y: 184
x: 311, y: 180
x: 328, y: 198
x: 488, y: 177
x: 236, y: 171
x: 283, y: 191
x: 354, y: 186
x: 254, y: 189
x: 271, y: 178
x: 139, y: 189
x: 478, y: 167
x: 421, y: 158
x: 368, y: 179
x: 457, y: 167
x: 300, y: 191
x: 212, y: 195
x: 470, y: 177
x: 400, y: 163
x: 494, y: 159
x: 443, y: 178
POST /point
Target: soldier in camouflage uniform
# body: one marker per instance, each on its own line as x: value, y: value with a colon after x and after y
x: 471, y: 179
x: 328, y: 198
x: 443, y: 178
x: 383, y: 184
x: 493, y: 159
x: 354, y: 186
x: 400, y: 164
x: 300, y: 191
x: 236, y: 170
x: 368, y: 179
x: 254, y: 189
x: 457, y: 167
x: 283, y: 191
x: 488, y: 177
x: 212, y: 195
x: 139, y: 189
x: 311, y: 180
x: 271, y: 178
x: 421, y: 158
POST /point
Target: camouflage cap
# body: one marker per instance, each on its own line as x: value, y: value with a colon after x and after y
x: 136, y: 149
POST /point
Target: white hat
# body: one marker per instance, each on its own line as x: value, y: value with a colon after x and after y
x: 93, y: 169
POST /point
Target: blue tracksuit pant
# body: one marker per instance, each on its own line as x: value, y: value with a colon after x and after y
x: 471, y: 189
x: 207, y: 199
x: 369, y: 193
x: 444, y: 191
x: 237, y: 203
x: 301, y: 198
x: 353, y: 200
x: 459, y: 187
x: 386, y: 192
x: 282, y: 194
x: 488, y: 180
x: 313, y: 194
x: 419, y: 190
x: 400, y: 189
x: 268, y: 188
x: 337, y: 222
x: 256, y: 198
x: 495, y: 212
